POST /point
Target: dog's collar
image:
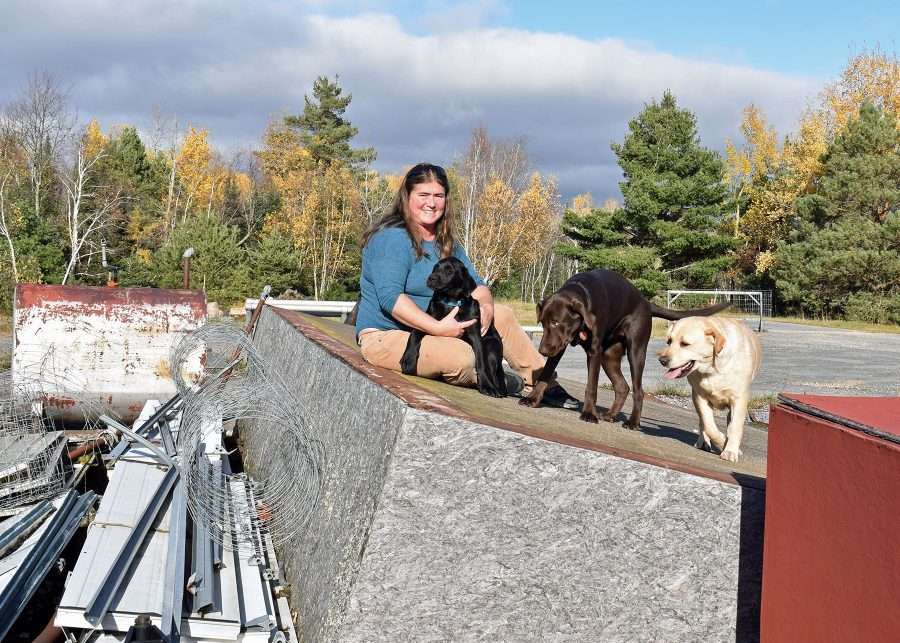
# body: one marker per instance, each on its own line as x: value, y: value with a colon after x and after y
x: 453, y: 303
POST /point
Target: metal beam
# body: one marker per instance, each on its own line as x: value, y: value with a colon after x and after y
x: 173, y: 595
x: 98, y: 605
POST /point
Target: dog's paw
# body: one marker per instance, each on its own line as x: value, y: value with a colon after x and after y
x: 609, y: 417
x: 702, y: 443
x: 527, y: 401
x: 732, y: 455
x: 588, y: 417
x: 632, y: 426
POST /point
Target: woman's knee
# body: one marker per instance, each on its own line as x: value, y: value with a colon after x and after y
x: 503, y: 316
x: 451, y: 359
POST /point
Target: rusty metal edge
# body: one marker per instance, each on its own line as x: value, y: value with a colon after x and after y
x: 28, y: 295
x: 420, y: 399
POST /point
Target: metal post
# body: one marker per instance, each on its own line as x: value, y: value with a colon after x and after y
x: 186, y: 267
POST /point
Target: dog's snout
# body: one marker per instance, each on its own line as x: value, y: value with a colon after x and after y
x: 663, y: 358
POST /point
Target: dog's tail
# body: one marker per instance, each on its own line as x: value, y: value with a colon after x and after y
x: 672, y: 315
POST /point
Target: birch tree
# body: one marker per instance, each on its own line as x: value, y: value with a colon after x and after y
x: 88, y: 209
x: 40, y: 121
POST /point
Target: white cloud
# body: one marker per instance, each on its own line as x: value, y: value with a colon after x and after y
x: 231, y: 67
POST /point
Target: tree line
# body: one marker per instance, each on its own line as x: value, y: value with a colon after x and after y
x: 812, y: 215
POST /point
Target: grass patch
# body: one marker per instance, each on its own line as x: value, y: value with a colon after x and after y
x: 762, y: 401
x: 525, y: 311
x: 670, y: 390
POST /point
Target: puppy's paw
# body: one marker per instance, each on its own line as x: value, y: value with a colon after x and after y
x: 632, y: 426
x: 588, y: 417
x: 731, y: 455
x: 528, y: 401
x: 609, y: 417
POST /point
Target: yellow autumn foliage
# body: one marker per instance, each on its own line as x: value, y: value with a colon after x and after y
x: 93, y: 140
x: 870, y: 75
x: 320, y: 207
x: 198, y: 180
x: 511, y: 229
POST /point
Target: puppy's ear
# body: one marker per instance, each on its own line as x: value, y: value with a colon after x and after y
x: 540, y: 307
x: 717, y: 338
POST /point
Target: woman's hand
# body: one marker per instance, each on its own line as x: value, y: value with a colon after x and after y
x: 449, y: 327
x: 406, y: 311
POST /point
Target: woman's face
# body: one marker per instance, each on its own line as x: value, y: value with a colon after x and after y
x: 426, y: 206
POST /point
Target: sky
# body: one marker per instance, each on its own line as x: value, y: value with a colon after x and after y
x: 564, y: 76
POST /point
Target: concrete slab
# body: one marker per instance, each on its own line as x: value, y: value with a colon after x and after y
x: 436, y: 524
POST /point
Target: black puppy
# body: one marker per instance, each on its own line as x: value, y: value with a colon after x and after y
x: 453, y: 285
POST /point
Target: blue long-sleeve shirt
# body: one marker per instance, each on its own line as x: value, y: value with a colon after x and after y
x: 390, y: 268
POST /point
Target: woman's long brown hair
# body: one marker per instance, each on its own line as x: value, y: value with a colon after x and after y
x: 398, y: 216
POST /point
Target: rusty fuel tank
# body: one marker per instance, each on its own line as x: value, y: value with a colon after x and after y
x: 110, y: 345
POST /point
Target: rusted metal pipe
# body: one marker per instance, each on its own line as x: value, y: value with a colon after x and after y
x: 87, y: 447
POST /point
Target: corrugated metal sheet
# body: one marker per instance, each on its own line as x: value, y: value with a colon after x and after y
x: 113, y: 342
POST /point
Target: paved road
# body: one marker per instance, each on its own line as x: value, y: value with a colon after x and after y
x: 796, y: 358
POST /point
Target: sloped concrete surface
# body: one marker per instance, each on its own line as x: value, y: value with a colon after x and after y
x: 440, y: 525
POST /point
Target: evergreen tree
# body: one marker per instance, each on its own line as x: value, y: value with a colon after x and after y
x: 324, y: 131
x: 129, y: 165
x: 674, y: 196
x: 861, y: 171
x: 846, y: 237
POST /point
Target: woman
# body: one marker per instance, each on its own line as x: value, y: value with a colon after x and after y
x: 399, y: 252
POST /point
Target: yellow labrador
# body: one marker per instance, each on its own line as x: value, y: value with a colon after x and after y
x: 720, y: 358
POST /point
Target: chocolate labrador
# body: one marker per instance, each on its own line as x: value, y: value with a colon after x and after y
x: 453, y: 285
x: 606, y: 315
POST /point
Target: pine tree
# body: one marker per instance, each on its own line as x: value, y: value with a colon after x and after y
x: 128, y: 160
x: 847, y: 235
x: 861, y: 173
x: 675, y: 198
x: 323, y: 130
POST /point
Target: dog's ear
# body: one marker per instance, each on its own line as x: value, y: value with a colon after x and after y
x: 587, y: 317
x: 718, y: 340
x: 540, y: 307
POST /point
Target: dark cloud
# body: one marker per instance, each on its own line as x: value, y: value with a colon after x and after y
x: 231, y: 67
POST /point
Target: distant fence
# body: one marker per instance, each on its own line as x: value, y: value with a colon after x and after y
x: 757, y: 303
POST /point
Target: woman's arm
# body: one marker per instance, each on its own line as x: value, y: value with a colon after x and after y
x: 406, y: 312
x: 485, y: 300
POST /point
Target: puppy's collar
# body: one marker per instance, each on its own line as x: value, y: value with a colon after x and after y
x: 453, y: 303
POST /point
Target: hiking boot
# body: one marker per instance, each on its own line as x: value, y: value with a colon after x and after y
x: 558, y: 397
x: 514, y: 382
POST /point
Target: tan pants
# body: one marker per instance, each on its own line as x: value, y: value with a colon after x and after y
x: 452, y: 359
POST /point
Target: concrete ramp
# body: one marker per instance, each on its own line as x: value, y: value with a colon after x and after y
x: 440, y: 522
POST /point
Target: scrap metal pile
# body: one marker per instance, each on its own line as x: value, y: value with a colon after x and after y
x: 182, y: 543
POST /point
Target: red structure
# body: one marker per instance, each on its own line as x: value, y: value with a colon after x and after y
x: 831, y: 561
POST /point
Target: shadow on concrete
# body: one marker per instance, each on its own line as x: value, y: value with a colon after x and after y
x: 749, y: 598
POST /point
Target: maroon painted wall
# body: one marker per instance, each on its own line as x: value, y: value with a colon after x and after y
x: 831, y: 562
